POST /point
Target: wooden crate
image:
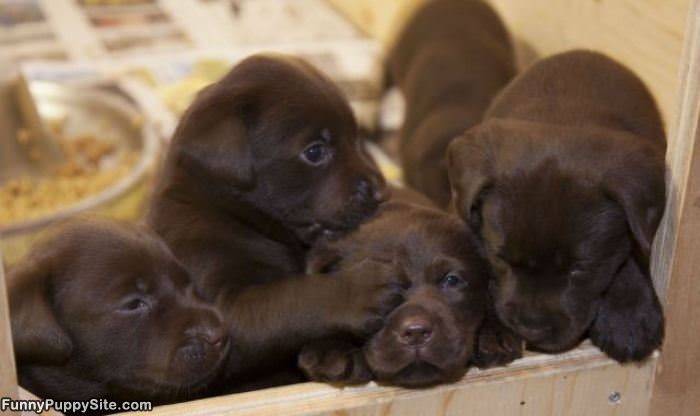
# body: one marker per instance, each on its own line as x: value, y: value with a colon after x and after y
x: 659, y: 39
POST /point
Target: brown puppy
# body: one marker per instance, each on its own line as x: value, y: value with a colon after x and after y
x: 450, y: 60
x: 105, y: 311
x: 430, y: 337
x: 262, y: 163
x: 564, y: 182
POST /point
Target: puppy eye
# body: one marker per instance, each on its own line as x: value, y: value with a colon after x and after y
x: 135, y: 305
x: 452, y: 280
x: 316, y: 153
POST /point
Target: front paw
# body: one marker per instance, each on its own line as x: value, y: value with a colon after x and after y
x: 333, y: 363
x: 628, y: 337
x: 497, y: 345
x: 371, y: 290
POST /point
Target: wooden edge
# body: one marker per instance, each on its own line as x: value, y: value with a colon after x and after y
x: 8, y: 377
x: 314, y: 398
x: 676, y: 390
x: 682, y: 141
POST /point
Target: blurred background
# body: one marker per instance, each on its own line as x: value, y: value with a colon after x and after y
x: 91, y: 90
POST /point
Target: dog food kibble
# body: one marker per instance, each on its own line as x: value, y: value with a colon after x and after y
x: 90, y: 165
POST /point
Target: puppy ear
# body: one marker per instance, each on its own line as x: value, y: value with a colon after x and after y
x: 37, y: 336
x: 637, y: 184
x: 630, y: 322
x: 467, y: 164
x: 212, y: 138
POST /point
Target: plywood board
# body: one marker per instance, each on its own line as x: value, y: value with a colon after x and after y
x: 576, y: 383
x: 676, y: 390
x: 8, y: 380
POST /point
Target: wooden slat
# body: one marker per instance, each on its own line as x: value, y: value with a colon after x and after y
x: 8, y: 379
x: 676, y: 390
x: 576, y: 383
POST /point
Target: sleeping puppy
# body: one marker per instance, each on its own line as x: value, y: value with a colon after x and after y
x: 263, y: 162
x: 564, y: 182
x: 449, y: 61
x: 431, y: 336
x: 102, y: 310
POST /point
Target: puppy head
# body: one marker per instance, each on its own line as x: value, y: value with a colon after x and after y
x: 277, y: 135
x: 114, y: 303
x: 429, y: 338
x: 560, y: 210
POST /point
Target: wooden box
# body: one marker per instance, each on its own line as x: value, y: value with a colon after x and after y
x: 660, y: 40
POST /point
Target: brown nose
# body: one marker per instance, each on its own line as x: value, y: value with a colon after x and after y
x: 215, y: 336
x: 373, y: 188
x: 415, y: 331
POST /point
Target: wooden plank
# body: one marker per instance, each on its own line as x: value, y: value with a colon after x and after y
x: 576, y: 383
x: 676, y: 390
x: 8, y: 378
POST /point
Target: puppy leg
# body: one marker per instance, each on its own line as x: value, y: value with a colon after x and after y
x: 630, y: 322
x: 496, y: 344
x: 334, y: 360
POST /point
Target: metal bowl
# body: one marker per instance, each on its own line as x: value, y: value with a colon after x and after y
x: 88, y: 111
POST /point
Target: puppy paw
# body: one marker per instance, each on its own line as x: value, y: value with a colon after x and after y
x: 496, y: 345
x: 628, y: 337
x: 371, y: 290
x: 630, y: 322
x: 333, y: 362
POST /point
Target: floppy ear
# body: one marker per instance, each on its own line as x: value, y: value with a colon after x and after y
x: 212, y: 137
x: 37, y: 336
x: 637, y: 184
x: 467, y: 167
x: 630, y: 321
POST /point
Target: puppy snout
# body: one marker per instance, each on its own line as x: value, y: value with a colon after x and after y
x: 213, y: 336
x: 532, y: 325
x: 415, y: 331
x: 372, y: 189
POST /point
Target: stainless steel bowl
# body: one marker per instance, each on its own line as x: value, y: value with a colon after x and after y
x: 88, y: 111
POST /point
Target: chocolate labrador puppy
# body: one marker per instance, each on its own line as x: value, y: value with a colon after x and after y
x: 262, y: 163
x: 431, y: 336
x: 105, y: 311
x: 449, y: 61
x: 564, y: 182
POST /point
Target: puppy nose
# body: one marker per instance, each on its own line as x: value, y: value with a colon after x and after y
x: 214, y: 336
x: 373, y: 188
x: 532, y: 326
x: 415, y: 331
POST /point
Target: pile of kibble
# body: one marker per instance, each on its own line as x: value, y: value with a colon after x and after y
x: 90, y: 165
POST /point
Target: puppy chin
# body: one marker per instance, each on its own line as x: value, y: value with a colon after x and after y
x: 554, y: 345
x: 196, y: 367
x: 347, y: 221
x: 415, y: 368
x: 418, y: 374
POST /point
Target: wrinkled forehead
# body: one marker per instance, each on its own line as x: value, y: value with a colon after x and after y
x: 545, y: 214
x: 119, y: 267
x: 295, y: 91
x: 417, y: 242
